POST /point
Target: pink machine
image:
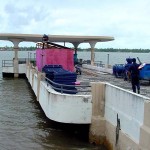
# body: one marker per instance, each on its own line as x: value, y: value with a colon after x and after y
x: 55, y: 56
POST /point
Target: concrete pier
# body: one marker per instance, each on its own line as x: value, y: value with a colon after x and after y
x: 118, y: 118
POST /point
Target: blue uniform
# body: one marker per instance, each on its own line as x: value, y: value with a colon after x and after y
x: 127, y: 66
x: 135, y: 77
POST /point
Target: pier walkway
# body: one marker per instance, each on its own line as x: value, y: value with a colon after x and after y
x: 93, y: 75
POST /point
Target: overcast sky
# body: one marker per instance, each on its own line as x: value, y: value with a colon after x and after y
x: 128, y: 21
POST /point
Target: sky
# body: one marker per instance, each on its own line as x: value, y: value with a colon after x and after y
x: 128, y: 21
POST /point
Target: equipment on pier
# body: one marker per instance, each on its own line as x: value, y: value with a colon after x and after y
x: 121, y: 70
x: 61, y: 79
x: 118, y: 70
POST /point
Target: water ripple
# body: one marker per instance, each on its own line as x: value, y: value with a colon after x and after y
x: 24, y: 126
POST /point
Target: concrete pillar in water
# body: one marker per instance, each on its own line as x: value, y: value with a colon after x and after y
x: 97, y: 127
x: 15, y: 60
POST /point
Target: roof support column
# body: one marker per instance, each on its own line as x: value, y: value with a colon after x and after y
x: 15, y: 60
x: 92, y: 44
x: 75, y: 44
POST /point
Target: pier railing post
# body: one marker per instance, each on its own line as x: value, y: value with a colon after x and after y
x: 16, y: 67
x: 29, y: 73
x: 39, y: 77
x: 97, y: 127
x: 144, y: 141
x: 33, y: 72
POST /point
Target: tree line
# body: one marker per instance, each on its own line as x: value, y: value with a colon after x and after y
x: 117, y: 50
x: 32, y: 48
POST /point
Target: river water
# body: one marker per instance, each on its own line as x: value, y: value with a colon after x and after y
x: 106, y: 57
x: 24, y: 126
x: 115, y: 57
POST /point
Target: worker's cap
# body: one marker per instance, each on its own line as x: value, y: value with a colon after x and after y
x: 134, y: 60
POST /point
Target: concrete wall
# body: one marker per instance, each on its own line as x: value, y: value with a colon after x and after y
x: 130, y: 109
x: 133, y: 113
x: 65, y: 108
x: 145, y: 128
x: 128, y: 106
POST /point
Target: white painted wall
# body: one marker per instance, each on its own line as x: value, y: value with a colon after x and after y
x: 66, y: 108
x: 130, y: 109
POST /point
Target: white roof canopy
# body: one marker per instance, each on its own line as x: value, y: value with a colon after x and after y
x: 75, y: 40
x: 55, y: 38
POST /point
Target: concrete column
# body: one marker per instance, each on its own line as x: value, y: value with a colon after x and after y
x: 97, y: 127
x: 15, y: 60
x: 39, y: 77
x: 29, y: 74
x: 75, y: 54
x: 76, y: 44
x: 92, y: 44
x: 144, y: 142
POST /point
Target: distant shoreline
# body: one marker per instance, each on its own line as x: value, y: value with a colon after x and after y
x: 120, y: 50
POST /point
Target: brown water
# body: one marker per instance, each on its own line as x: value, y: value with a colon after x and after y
x: 23, y: 125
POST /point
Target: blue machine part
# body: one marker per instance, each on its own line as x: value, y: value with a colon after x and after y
x: 145, y: 72
x: 57, y: 74
x: 118, y: 70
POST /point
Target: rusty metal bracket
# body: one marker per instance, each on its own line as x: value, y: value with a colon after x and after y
x: 117, y: 129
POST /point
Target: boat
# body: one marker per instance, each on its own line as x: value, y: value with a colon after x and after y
x: 60, y: 93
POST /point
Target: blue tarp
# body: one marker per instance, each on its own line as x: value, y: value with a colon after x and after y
x: 57, y: 74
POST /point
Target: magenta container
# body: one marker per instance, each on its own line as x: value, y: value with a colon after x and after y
x: 55, y: 56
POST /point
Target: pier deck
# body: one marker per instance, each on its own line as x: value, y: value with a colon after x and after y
x: 90, y: 75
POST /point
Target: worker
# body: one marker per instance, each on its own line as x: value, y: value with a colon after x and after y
x: 134, y: 71
x: 126, y: 71
x: 78, y: 69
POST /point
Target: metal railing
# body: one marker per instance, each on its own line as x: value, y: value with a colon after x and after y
x: 60, y: 87
x: 99, y: 64
x: 54, y: 85
x: 7, y: 63
x: 10, y: 63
